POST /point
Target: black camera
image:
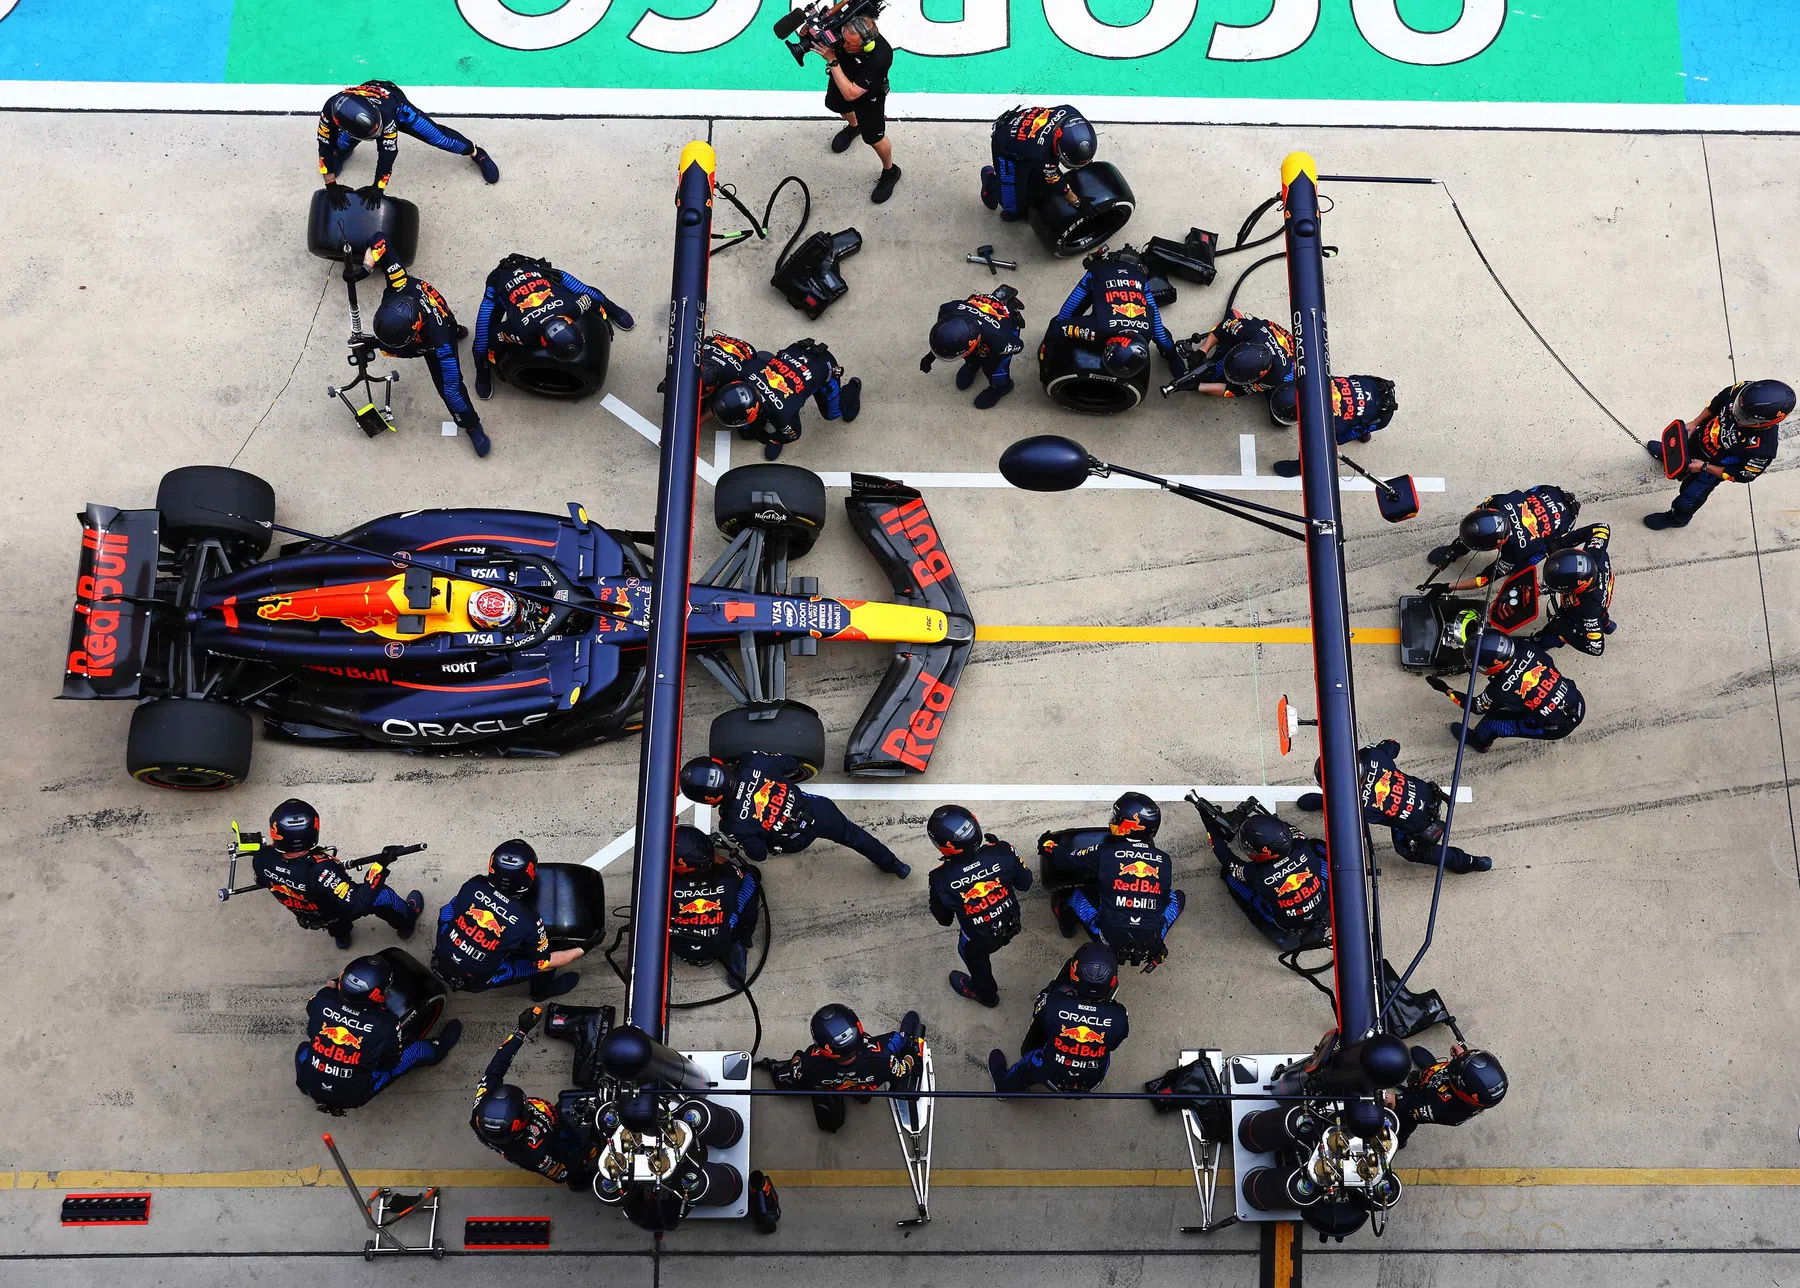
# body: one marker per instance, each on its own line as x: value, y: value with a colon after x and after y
x: 820, y: 23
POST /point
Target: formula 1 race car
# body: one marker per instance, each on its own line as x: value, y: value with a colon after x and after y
x: 480, y: 631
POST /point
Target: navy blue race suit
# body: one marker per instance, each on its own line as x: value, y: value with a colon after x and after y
x: 1428, y: 1096
x: 1002, y: 322
x: 1112, y: 302
x: 979, y: 893
x: 1025, y: 164
x: 1580, y: 619
x: 522, y: 294
x: 887, y: 1063
x: 1742, y: 451
x: 1289, y: 896
x: 1130, y: 903
x: 1528, y: 698
x: 397, y: 115
x: 487, y: 939
x: 434, y: 337
x: 1539, y: 520
x: 1360, y: 405
x: 1274, y: 340
x: 547, y: 1146
x: 1410, y: 807
x: 767, y: 814
x: 315, y: 887
x: 712, y: 914
x: 351, y: 1053
x: 1070, y: 1043
x: 785, y: 380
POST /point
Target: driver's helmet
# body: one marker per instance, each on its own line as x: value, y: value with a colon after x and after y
x: 491, y: 608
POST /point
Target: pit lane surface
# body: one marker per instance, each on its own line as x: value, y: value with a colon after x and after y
x: 1628, y: 958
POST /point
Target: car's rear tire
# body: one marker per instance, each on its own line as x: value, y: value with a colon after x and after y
x: 571, y: 902
x: 796, y: 731
x: 329, y: 231
x: 188, y: 745
x: 536, y: 372
x: 798, y: 510
x: 1075, y: 378
x: 1087, y: 209
x: 416, y: 998
x: 198, y: 502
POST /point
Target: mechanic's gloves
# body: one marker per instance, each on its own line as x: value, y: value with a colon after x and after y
x: 484, y: 382
x: 377, y: 876
x: 528, y: 1019
x: 371, y: 197
x: 337, y: 195
x: 1442, y: 686
x: 926, y: 361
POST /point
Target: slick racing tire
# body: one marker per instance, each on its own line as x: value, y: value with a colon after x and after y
x: 416, y: 997
x: 777, y: 498
x: 536, y: 372
x: 211, y: 502
x: 329, y: 232
x: 795, y: 730
x: 1085, y: 211
x: 571, y: 902
x: 1057, y: 865
x: 188, y: 745
x: 1074, y: 378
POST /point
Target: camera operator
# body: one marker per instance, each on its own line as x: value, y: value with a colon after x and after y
x: 859, y: 65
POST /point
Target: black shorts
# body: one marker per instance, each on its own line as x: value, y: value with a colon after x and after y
x: 870, y: 109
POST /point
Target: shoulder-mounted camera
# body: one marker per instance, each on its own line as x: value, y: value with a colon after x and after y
x: 820, y: 23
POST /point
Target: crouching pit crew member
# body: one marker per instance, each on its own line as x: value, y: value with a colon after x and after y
x: 1076, y: 1025
x: 1032, y: 148
x: 1239, y: 357
x: 353, y: 1046
x: 413, y: 321
x: 982, y: 332
x: 1519, y: 527
x: 531, y: 305
x: 380, y: 110
x: 844, y: 1058
x: 307, y: 879
x: 1735, y: 437
x: 858, y: 92
x: 712, y: 904
x: 1410, y: 807
x: 1279, y: 878
x: 1447, y: 1092
x: 1580, y: 580
x: 762, y: 809
x: 490, y: 936
x: 976, y: 888
x: 1360, y: 405
x: 1129, y: 905
x: 525, y: 1130
x: 1526, y: 696
x: 1112, y: 306
x: 766, y: 403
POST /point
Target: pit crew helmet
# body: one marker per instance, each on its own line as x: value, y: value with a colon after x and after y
x: 955, y: 336
x: 500, y: 1117
x: 1490, y: 652
x: 953, y: 829
x: 293, y: 826
x: 397, y: 321
x: 562, y: 339
x: 736, y: 405
x: 1263, y: 837
x: 512, y: 867
x: 1093, y: 972
x: 704, y: 779
x: 693, y: 849
x: 1075, y: 143
x: 836, y: 1028
x: 1248, y: 363
x: 1135, y: 814
x: 1569, y: 571
x: 355, y: 116
x: 1125, y: 356
x: 1284, y: 404
x: 1761, y: 403
x: 1484, y: 529
x: 1476, y: 1076
x: 365, y: 982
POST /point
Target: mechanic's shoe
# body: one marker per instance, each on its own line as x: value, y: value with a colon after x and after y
x: 415, y: 901
x: 1067, y: 922
x: 884, y: 186
x: 990, y: 183
x: 1440, y: 557
x: 997, y: 1066
x: 445, y: 1043
x: 1654, y: 447
x: 841, y: 141
x: 1422, y: 1057
x: 484, y: 385
x: 479, y: 440
x: 1007, y: 217
x: 1474, y: 863
x: 771, y: 451
x: 850, y: 400
x: 1310, y: 802
x: 489, y: 170
x: 990, y: 396
x: 959, y: 984
x: 965, y: 374
x: 343, y: 940
x: 900, y: 870
x: 1456, y: 731
x: 1286, y: 469
x: 620, y: 318
x: 1664, y: 519
x: 547, y: 986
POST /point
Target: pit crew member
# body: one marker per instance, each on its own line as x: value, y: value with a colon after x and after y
x: 712, y: 904
x: 1519, y: 527
x: 1447, y: 1092
x: 762, y: 809
x: 1077, y: 1023
x: 531, y: 305
x: 353, y: 1047
x: 1526, y: 696
x: 490, y: 935
x: 1032, y: 148
x: 380, y: 110
x: 525, y: 1130
x: 982, y: 332
x: 307, y: 879
x: 844, y: 1058
x: 976, y: 888
x: 413, y: 321
x: 765, y: 404
x: 1735, y: 438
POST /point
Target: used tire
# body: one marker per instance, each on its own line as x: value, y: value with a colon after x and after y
x: 188, y: 745
x: 416, y: 997
x: 571, y: 902
x: 345, y: 234
x: 1087, y: 209
x: 792, y: 502
x: 536, y: 372
x: 1074, y: 378
x: 198, y: 502
x: 795, y: 730
x: 1058, y: 867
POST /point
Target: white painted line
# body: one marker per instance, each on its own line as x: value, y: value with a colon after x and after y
x: 497, y: 100
x: 448, y: 429
x: 721, y: 439
x: 1247, y: 455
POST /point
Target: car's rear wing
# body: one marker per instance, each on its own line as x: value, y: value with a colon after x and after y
x: 899, y: 728
x: 109, y: 627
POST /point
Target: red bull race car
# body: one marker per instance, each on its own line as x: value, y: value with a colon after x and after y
x: 484, y: 631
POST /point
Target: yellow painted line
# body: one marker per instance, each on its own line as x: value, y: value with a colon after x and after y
x: 1176, y: 634
x: 882, y: 1178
